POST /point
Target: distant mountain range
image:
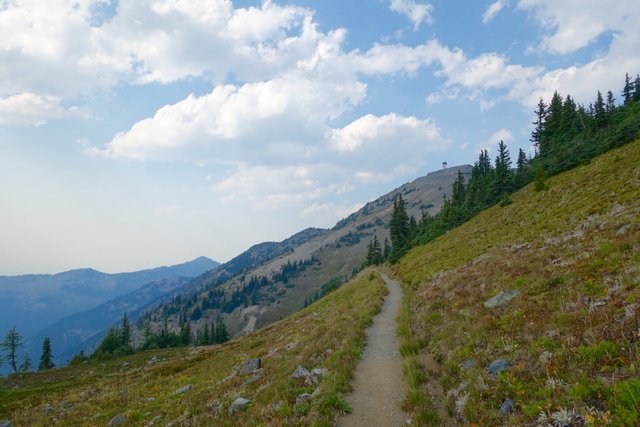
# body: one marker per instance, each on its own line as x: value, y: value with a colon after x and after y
x: 75, y: 305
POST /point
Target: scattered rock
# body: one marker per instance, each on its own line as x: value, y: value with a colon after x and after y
x: 468, y: 364
x: 250, y: 366
x: 303, y: 398
x: 597, y: 304
x: 155, y: 420
x: 553, y: 333
x: 507, y: 407
x: 501, y: 298
x: 545, y: 357
x: 498, y: 365
x: 630, y: 310
x: 238, y: 405
x: 6, y: 423
x: 622, y: 230
x: 126, y: 364
x: 182, y: 389
x: 151, y: 399
x: 117, y: 420
x: 65, y: 404
x: 318, y: 372
x: 153, y: 360
x: 301, y: 372
x: 48, y: 409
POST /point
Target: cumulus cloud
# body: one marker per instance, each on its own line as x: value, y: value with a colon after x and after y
x: 416, y: 12
x: 33, y: 109
x: 493, y: 10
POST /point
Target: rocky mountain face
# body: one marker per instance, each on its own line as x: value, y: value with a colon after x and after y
x: 272, y: 280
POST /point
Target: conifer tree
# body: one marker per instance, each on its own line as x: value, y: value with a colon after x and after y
x: 538, y: 130
x: 522, y: 160
x: 26, y: 364
x: 636, y: 90
x: 10, y: 345
x: 599, y: 109
x: 46, y: 357
x: 125, y: 331
x: 503, y: 183
x: 611, y: 102
x: 399, y: 228
x: 387, y: 249
x: 221, y: 332
x: 627, y: 90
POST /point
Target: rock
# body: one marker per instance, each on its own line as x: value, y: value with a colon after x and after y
x: 501, y: 298
x: 48, y: 409
x: 250, y: 366
x: 301, y: 372
x: 6, y: 423
x: 468, y: 364
x: 291, y: 345
x: 545, y: 357
x: 303, y: 398
x: 126, y: 364
x: 65, y: 404
x: 507, y: 407
x: 318, y: 372
x: 182, y: 390
x: 151, y: 399
x: 622, y: 230
x: 498, y: 365
x: 153, y: 360
x: 155, y: 420
x: 116, y: 421
x: 238, y: 405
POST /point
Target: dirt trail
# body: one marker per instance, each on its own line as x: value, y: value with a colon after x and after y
x: 378, y: 385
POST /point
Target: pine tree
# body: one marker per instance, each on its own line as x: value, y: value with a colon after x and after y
x: 627, y: 91
x: 46, y: 357
x: 611, y: 102
x: 125, y: 331
x: 185, y: 334
x: 552, y: 126
x: 600, y: 111
x: 26, y: 364
x: 221, y: 332
x: 636, y: 90
x: 538, y: 179
x: 387, y: 249
x: 503, y: 183
x: 522, y: 160
x: 399, y: 228
x: 538, y: 130
x: 206, y: 335
x: 11, y: 343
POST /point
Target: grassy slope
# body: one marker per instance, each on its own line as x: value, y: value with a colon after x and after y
x: 564, y: 249
x: 328, y: 334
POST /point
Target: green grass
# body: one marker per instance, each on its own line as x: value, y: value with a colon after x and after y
x: 328, y: 334
x: 572, y: 334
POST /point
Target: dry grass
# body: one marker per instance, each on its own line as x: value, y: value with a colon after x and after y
x: 572, y: 335
x: 328, y: 334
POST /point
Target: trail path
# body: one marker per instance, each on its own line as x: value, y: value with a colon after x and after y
x: 378, y: 385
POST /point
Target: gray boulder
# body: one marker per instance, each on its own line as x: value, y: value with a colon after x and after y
x: 501, y: 298
x: 118, y: 420
x: 250, y: 366
x: 301, y: 372
x: 182, y: 389
x: 498, y: 365
x: 507, y: 407
x: 304, y: 397
x: 239, y: 404
x: 6, y: 423
x: 318, y: 372
x: 468, y: 364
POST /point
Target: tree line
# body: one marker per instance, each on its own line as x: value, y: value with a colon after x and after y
x: 565, y: 135
x: 10, y: 348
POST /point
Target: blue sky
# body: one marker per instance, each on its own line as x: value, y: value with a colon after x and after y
x: 143, y: 133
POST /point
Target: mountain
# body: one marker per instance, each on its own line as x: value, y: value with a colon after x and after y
x: 33, y: 302
x: 545, y: 289
x: 272, y: 280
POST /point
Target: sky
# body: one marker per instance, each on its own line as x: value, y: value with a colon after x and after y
x: 140, y: 133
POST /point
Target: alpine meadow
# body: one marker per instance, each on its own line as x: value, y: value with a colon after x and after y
x: 423, y: 213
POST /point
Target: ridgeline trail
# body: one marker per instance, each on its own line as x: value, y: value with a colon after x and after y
x: 378, y: 385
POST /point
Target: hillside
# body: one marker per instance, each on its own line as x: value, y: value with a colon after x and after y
x: 146, y: 387
x: 261, y: 286
x: 528, y: 314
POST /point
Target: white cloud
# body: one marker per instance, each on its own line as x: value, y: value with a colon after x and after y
x: 493, y: 10
x: 33, y: 109
x: 504, y: 135
x: 416, y: 12
x: 573, y: 25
